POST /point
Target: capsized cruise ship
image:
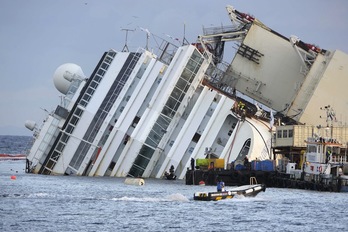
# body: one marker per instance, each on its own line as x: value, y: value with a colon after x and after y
x: 141, y: 112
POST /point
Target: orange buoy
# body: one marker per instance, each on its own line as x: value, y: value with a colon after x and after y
x: 13, y: 177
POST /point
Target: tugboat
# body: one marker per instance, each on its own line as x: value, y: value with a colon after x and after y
x: 325, y: 163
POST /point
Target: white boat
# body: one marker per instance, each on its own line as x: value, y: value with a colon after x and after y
x: 141, y: 112
x: 244, y: 190
x: 318, y: 159
x: 325, y: 160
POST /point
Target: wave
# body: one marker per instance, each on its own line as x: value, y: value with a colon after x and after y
x: 172, y: 197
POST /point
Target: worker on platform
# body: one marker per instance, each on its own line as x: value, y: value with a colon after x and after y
x: 171, y: 175
x: 220, y: 185
x: 241, y: 106
x: 246, y: 162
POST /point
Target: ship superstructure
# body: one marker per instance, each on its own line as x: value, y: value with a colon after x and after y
x: 139, y: 112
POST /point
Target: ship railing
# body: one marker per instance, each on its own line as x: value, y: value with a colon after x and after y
x: 253, y: 180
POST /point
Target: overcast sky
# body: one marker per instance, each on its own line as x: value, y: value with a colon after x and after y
x: 37, y: 36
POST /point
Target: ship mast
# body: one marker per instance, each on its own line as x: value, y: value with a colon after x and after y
x: 125, y: 47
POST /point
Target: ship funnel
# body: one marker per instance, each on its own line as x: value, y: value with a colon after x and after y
x: 30, y: 125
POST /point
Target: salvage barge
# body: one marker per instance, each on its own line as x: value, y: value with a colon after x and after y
x: 321, y: 165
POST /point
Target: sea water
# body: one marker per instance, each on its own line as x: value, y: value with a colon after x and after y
x: 30, y: 202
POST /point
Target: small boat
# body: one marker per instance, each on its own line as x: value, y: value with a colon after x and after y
x: 170, y: 175
x: 245, y: 190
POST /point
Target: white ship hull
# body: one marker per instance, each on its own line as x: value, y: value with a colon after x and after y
x: 138, y: 115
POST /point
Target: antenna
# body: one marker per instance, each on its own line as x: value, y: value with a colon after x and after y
x: 147, y: 36
x: 125, y: 47
x: 184, y: 40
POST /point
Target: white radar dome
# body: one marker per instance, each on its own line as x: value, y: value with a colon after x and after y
x: 61, y: 82
x: 30, y: 125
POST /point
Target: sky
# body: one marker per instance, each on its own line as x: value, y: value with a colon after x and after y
x: 38, y: 36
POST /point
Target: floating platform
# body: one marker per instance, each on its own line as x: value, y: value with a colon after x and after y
x: 268, y: 178
x: 245, y: 190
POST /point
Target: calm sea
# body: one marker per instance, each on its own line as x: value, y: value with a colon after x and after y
x: 70, y: 203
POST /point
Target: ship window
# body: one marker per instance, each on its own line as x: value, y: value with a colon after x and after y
x: 158, y: 129
x: 151, y: 139
x: 146, y: 151
x: 234, y: 125
x: 90, y: 91
x: 60, y: 146
x: 172, y: 103
x: 291, y: 133
x: 186, y: 74
x: 135, y: 121
x: 100, y: 74
x: 176, y: 93
x: 245, y: 150
x: 55, y: 155
x: 135, y: 171
x: 112, y: 165
x: 196, y: 137
x: 191, y: 65
x: 112, y: 53
x: 246, y: 147
x: 186, y: 87
x: 50, y: 165
x: 74, y: 120
x: 285, y: 133
x: 142, y: 161
x: 194, y: 63
x: 83, y: 103
x: 78, y: 112
x: 164, y: 122
x: 94, y: 84
x: 108, y: 59
x: 64, y: 138
x: 125, y: 139
x: 279, y: 134
x: 69, y: 129
x: 86, y: 97
x: 98, y: 77
x: 105, y: 66
x: 181, y: 84
x: 311, y: 148
x: 197, y: 57
x: 182, y: 95
x: 167, y: 112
